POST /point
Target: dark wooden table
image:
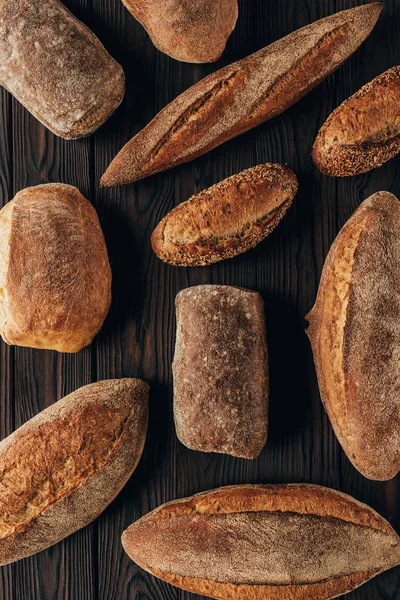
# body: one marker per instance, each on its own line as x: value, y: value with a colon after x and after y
x: 137, y: 339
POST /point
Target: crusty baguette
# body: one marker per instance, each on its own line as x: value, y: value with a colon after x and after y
x: 194, y: 32
x: 61, y: 469
x: 57, y: 68
x: 227, y: 218
x: 220, y: 370
x: 242, y: 95
x: 55, y: 277
x: 364, y: 131
x: 279, y: 542
x: 355, y: 335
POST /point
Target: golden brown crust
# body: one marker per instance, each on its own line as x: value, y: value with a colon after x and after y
x: 54, y: 271
x: 242, y: 95
x: 364, y: 131
x: 57, y: 68
x: 355, y: 335
x: 62, y: 468
x: 220, y: 370
x: 279, y: 541
x: 227, y: 218
x: 194, y: 32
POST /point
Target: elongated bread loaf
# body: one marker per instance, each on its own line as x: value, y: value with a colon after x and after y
x: 242, y: 95
x: 61, y: 469
x: 255, y: 542
x: 227, y: 218
x: 355, y: 336
x: 55, y: 277
x: 220, y: 370
x: 194, y: 32
x: 57, y: 68
x: 364, y: 131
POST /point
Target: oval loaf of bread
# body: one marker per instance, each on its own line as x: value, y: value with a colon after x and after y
x: 194, y: 32
x: 55, y: 276
x: 242, y: 95
x: 279, y: 542
x: 61, y: 469
x: 364, y: 131
x: 57, y: 68
x: 355, y: 336
x: 227, y: 218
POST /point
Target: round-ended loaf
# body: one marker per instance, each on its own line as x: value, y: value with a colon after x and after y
x: 194, y: 32
x: 364, y: 131
x: 227, y: 218
x: 354, y: 329
x: 55, y: 277
x: 279, y: 542
x: 61, y: 469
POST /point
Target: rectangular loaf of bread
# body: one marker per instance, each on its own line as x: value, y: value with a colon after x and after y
x: 220, y: 370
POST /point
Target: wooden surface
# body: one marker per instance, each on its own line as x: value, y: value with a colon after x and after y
x: 137, y: 339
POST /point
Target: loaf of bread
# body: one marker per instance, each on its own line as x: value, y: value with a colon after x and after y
x: 364, y: 131
x: 57, y: 68
x: 220, y: 370
x: 61, y: 469
x: 355, y: 336
x: 242, y: 95
x: 194, y: 32
x: 55, y: 277
x: 279, y: 542
x: 227, y: 218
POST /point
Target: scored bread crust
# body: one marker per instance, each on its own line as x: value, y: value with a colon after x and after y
x: 57, y: 68
x: 226, y: 219
x: 354, y: 331
x: 55, y: 276
x: 364, y: 131
x: 194, y: 32
x: 300, y: 499
x: 46, y: 493
x: 242, y: 95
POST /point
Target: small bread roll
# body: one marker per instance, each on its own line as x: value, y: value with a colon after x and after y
x: 55, y: 276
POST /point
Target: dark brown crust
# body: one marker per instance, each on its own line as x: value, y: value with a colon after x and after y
x: 355, y: 334
x: 57, y: 68
x: 227, y: 218
x: 47, y: 492
x: 329, y: 505
x: 242, y: 95
x: 220, y: 370
x: 194, y: 32
x: 56, y: 284
x: 364, y: 131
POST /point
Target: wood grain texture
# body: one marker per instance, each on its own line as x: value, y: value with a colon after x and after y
x: 137, y: 339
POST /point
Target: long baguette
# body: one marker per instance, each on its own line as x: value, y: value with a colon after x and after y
x: 242, y: 95
x: 61, y: 469
x: 280, y: 542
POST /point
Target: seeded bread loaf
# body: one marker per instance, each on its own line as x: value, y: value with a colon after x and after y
x: 227, y: 218
x: 354, y: 329
x: 61, y: 469
x: 364, y: 131
x: 242, y: 95
x: 279, y: 542
x: 220, y: 370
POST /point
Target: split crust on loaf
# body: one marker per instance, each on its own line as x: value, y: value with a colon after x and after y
x: 61, y: 469
x: 220, y: 370
x: 57, y: 68
x: 226, y: 219
x: 242, y: 95
x: 274, y: 541
x: 364, y: 131
x: 194, y: 32
x: 55, y: 276
x: 354, y: 329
